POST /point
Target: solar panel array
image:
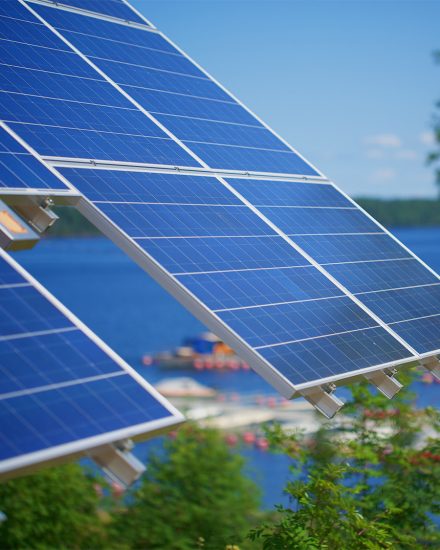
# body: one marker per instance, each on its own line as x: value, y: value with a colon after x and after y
x: 62, y: 391
x: 210, y: 201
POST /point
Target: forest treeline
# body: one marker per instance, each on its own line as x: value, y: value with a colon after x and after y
x: 403, y: 212
x: 389, y: 212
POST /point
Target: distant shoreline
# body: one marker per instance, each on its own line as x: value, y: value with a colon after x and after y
x: 389, y: 212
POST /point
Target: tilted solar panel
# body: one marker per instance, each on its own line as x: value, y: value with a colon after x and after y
x: 62, y: 107
x: 113, y: 8
x: 62, y: 391
x: 218, y: 130
x: 20, y: 169
x: 266, y: 251
x: 289, y: 312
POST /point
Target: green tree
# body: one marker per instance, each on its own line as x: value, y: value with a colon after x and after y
x: 392, y: 448
x: 193, y: 495
x: 434, y: 156
x: 56, y: 508
x: 370, y: 481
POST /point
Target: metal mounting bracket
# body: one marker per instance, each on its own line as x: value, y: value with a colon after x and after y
x: 432, y: 364
x: 118, y: 462
x: 385, y: 382
x: 322, y: 398
x: 15, y: 233
x: 36, y: 211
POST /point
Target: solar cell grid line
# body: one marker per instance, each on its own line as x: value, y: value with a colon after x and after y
x: 63, y: 392
x: 279, y: 315
x: 21, y: 169
x: 61, y: 106
x: 414, y: 290
x: 221, y: 144
x: 413, y: 298
x: 277, y: 229
x: 291, y: 300
x: 115, y: 9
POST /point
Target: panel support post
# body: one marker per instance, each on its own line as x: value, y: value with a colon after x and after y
x: 118, y: 462
x: 384, y: 382
x: 432, y: 364
x: 323, y: 400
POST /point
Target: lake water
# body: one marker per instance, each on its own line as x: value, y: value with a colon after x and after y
x: 132, y: 313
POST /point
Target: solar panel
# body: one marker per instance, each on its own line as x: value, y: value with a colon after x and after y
x: 291, y: 314
x: 20, y: 169
x: 114, y: 8
x: 62, y: 107
x: 219, y: 131
x: 62, y: 391
x: 238, y: 226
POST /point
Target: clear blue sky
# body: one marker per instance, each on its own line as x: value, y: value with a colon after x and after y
x: 350, y: 84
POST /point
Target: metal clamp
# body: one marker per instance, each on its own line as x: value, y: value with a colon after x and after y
x: 385, y: 382
x: 432, y: 364
x: 15, y: 233
x: 322, y: 398
x: 118, y: 462
x: 37, y: 213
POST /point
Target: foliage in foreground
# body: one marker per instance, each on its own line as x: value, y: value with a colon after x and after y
x: 364, y: 481
x: 56, y: 508
x: 434, y: 156
x: 371, y: 484
x: 194, y: 495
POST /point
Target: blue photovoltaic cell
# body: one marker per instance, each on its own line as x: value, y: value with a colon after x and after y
x: 134, y: 77
x: 218, y: 254
x: 199, y: 107
x: 275, y: 324
x: 404, y: 303
x: 221, y: 132
x: 42, y: 60
x: 117, y: 186
x: 12, y: 9
x: 45, y: 419
x: 252, y: 288
x: 330, y: 249
x: 29, y: 83
x: 63, y: 107
x: 114, y: 8
x: 381, y: 275
x: 257, y: 160
x: 288, y: 193
x: 422, y: 334
x: 299, y: 221
x: 28, y: 31
x: 19, y: 169
x: 341, y: 353
x: 146, y: 220
x: 64, y: 360
x: 67, y: 21
x: 8, y: 275
x: 57, y: 385
x: 251, y: 278
x: 24, y: 309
